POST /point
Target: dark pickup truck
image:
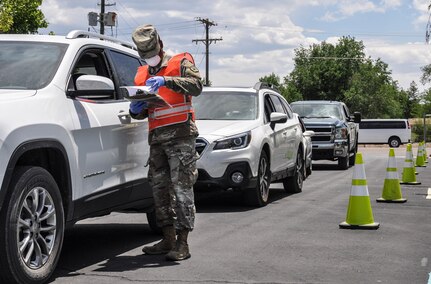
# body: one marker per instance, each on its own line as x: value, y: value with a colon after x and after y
x: 336, y: 131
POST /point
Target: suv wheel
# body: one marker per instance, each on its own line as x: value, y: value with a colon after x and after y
x: 343, y: 163
x: 33, y: 227
x: 294, y: 183
x: 258, y: 196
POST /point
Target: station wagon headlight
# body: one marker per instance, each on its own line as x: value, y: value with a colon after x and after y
x: 341, y: 133
x: 234, y: 142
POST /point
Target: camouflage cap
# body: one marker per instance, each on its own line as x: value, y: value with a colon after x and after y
x: 146, y: 39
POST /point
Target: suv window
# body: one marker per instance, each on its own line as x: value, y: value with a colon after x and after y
x: 90, y: 62
x: 29, y: 65
x: 226, y: 105
x: 126, y: 67
x: 287, y: 108
x: 277, y: 104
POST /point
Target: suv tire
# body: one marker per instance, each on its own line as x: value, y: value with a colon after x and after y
x: 294, y: 183
x: 33, y: 222
x: 258, y: 196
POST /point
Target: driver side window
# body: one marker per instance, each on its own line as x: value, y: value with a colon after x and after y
x: 90, y: 62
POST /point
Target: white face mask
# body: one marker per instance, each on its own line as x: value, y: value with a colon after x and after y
x: 153, y: 61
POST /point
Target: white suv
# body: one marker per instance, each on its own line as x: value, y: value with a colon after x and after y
x: 249, y: 137
x: 69, y: 150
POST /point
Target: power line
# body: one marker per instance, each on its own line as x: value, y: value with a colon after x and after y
x: 207, y: 41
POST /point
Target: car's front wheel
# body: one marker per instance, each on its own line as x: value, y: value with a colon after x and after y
x: 293, y: 184
x: 258, y: 196
x: 32, y: 227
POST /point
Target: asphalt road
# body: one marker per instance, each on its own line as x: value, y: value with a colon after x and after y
x: 295, y: 239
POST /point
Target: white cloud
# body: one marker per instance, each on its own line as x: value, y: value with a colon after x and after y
x: 259, y: 38
x: 347, y: 8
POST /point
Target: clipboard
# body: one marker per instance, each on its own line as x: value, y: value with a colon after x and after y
x: 142, y: 93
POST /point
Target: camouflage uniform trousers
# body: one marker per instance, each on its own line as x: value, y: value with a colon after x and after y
x: 172, y: 174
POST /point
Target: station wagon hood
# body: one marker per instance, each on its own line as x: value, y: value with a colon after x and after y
x: 8, y: 94
x: 223, y: 128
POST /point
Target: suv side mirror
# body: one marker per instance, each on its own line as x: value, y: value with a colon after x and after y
x: 93, y: 87
x: 278, y: 117
x: 357, y: 117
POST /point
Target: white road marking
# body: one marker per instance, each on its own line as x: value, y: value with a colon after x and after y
x: 429, y: 194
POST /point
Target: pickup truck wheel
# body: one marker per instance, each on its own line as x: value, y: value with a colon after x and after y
x: 352, y: 158
x: 343, y: 163
x: 394, y: 142
x: 294, y: 183
x: 32, y: 222
x: 258, y: 196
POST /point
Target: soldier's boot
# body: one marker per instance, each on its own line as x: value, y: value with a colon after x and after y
x: 165, y: 245
x: 181, y: 250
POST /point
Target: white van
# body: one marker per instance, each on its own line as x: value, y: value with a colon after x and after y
x: 381, y: 131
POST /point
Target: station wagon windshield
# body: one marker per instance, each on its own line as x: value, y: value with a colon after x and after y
x: 317, y: 110
x: 225, y: 105
x: 29, y: 65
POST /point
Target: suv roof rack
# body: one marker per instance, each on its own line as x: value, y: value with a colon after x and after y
x: 265, y: 85
x: 82, y: 34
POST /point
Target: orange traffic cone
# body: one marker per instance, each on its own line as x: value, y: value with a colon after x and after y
x: 391, y: 187
x: 359, y: 213
x: 409, y: 171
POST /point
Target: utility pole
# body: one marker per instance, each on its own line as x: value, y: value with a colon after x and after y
x: 207, y: 41
x: 102, y: 15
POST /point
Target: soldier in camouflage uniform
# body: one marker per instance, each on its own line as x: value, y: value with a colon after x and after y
x: 172, y: 161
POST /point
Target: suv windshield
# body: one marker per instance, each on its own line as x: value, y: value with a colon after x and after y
x: 317, y: 110
x: 29, y: 65
x: 226, y: 105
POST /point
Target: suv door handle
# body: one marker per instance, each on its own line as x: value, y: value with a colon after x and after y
x: 124, y: 117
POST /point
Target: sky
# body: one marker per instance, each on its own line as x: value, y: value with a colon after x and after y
x: 260, y: 37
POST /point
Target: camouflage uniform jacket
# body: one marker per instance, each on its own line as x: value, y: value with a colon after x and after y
x: 189, y: 83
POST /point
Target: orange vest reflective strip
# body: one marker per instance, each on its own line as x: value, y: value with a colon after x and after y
x: 181, y: 105
x: 161, y: 113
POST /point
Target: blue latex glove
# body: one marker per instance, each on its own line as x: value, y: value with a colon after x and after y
x: 155, y: 83
x: 137, y: 106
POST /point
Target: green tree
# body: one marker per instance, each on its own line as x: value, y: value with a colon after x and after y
x: 411, y: 101
x: 21, y: 16
x: 373, y: 92
x: 323, y: 71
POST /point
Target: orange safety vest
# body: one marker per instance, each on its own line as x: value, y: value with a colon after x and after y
x: 181, y: 104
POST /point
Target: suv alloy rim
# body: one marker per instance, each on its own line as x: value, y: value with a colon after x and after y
x: 36, y: 228
x: 299, y: 169
x: 264, y: 179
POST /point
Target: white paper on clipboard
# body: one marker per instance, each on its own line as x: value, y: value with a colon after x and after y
x: 142, y: 93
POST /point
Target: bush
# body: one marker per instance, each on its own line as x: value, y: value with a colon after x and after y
x: 418, y: 132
